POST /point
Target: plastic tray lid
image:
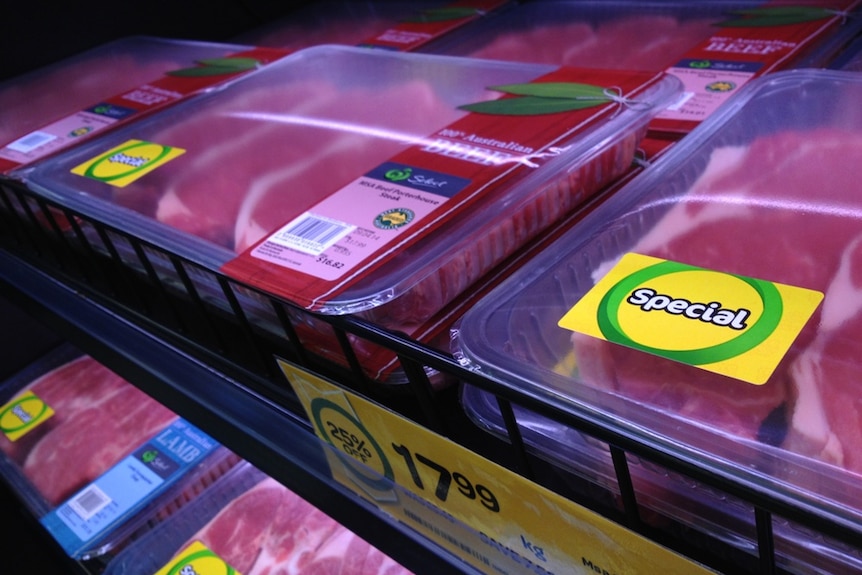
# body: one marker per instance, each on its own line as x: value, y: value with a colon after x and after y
x: 308, y: 125
x: 756, y: 211
x: 34, y: 99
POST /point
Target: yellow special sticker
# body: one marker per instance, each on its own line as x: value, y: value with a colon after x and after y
x: 724, y: 323
x: 22, y: 414
x: 122, y: 165
x: 197, y: 559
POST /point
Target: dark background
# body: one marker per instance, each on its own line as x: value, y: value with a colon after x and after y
x: 34, y: 33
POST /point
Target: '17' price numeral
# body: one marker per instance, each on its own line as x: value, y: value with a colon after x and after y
x: 445, y: 478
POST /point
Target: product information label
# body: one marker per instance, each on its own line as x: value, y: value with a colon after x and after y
x: 389, y: 198
x: 122, y: 165
x: 128, y: 486
x: 23, y: 414
x: 727, y: 324
x: 197, y: 559
x: 492, y: 518
x: 707, y: 84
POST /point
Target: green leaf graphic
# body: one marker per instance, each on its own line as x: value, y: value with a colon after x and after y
x: 238, y: 63
x: 443, y: 14
x: 529, y: 106
x: 555, y: 90
x: 217, y: 66
x: 775, y: 16
x: 541, y: 98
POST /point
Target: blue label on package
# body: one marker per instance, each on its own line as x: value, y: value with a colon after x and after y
x: 127, y: 487
x: 111, y: 111
x: 418, y: 179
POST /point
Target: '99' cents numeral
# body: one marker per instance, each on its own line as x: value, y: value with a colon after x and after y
x: 445, y: 478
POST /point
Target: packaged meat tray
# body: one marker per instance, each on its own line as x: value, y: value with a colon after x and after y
x: 352, y: 128
x: 95, y: 459
x: 53, y: 107
x: 386, y: 24
x: 256, y: 526
x: 597, y: 34
x: 709, y: 306
x: 713, y: 47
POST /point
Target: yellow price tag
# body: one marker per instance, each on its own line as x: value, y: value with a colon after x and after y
x: 517, y: 521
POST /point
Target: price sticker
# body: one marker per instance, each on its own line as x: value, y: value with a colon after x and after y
x: 420, y: 477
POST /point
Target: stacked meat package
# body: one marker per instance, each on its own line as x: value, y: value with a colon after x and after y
x: 105, y: 86
x: 714, y: 47
x: 94, y: 458
x: 711, y: 305
x: 356, y: 181
x: 254, y: 525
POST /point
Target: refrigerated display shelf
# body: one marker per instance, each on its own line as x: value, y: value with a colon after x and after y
x: 266, y: 434
x: 205, y: 354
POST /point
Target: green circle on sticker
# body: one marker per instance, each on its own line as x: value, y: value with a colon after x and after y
x: 757, y: 333
x: 197, y: 557
x: 92, y: 169
x: 317, y: 407
x: 41, y: 407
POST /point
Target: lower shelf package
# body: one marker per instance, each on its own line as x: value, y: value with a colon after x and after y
x: 256, y: 526
x: 96, y: 459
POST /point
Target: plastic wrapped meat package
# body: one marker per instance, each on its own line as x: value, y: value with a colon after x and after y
x: 33, y: 100
x: 289, y: 139
x: 68, y: 420
x: 628, y: 317
x: 614, y: 35
x: 256, y: 526
x: 611, y: 35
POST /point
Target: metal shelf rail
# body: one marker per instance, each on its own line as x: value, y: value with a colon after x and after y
x: 157, y: 298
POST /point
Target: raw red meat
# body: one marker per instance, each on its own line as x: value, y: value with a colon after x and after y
x: 389, y: 119
x: 641, y: 42
x: 268, y: 530
x: 256, y: 162
x: 99, y: 418
x: 827, y: 416
x: 780, y: 209
x: 66, y: 389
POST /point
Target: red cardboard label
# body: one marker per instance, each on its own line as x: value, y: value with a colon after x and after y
x: 748, y: 44
x: 431, y: 24
x: 361, y: 226
x: 119, y: 109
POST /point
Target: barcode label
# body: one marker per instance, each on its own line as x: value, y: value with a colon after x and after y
x: 31, y: 141
x: 311, y: 233
x: 89, y: 502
